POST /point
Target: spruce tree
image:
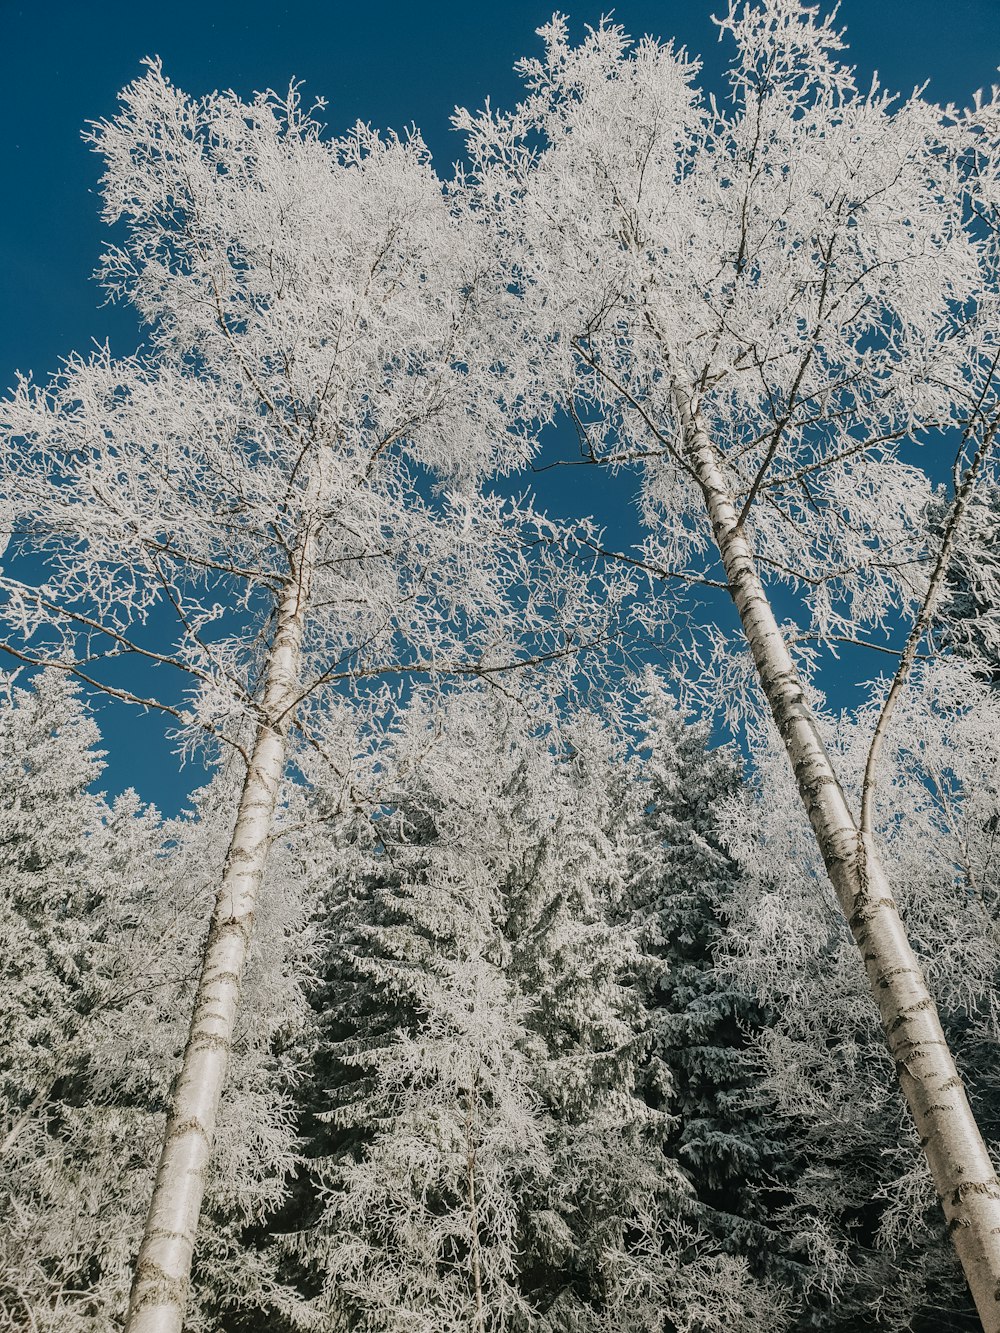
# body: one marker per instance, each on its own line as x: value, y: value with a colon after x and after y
x: 701, y: 1019
x: 967, y: 618
x: 586, y: 1220
x: 479, y: 1028
x: 75, y: 1155
x: 431, y: 1125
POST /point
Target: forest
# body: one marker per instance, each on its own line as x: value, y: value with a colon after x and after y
x: 569, y: 935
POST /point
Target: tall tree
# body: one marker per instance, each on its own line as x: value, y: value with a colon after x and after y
x: 441, y: 1161
x: 487, y: 1161
x: 104, y: 908
x: 247, y: 504
x: 759, y: 302
x: 968, y: 620
x: 61, y: 896
x: 702, y: 1018
x: 593, y: 1220
x: 421, y: 1079
x: 858, y: 1211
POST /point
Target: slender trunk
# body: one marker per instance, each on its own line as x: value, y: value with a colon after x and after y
x: 470, y: 1168
x: 960, y: 1165
x: 160, y: 1287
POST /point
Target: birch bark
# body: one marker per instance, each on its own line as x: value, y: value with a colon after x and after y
x: 470, y: 1166
x: 959, y: 1162
x: 162, y: 1275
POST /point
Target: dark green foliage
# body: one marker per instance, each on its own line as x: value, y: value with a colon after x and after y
x: 700, y: 1020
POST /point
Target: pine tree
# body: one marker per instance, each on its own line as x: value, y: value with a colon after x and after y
x: 597, y: 1215
x: 701, y: 1019
x: 434, y: 1128
x: 481, y: 986
x: 623, y: 1247
x: 968, y: 620
x: 484, y: 1139
x: 74, y: 1156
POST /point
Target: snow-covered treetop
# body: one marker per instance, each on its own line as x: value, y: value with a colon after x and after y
x: 316, y: 399
x: 326, y: 277
x: 799, y: 264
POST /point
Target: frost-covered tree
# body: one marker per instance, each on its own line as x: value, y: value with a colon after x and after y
x: 573, y: 955
x: 248, y: 503
x: 473, y: 1030
x: 968, y: 620
x: 757, y: 301
x: 103, y: 910
x: 257, y: 1147
x: 859, y: 1215
x: 701, y: 1020
x: 485, y: 1155
x: 423, y: 1087
x: 65, y: 888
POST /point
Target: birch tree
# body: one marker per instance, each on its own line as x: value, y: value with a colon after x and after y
x: 765, y: 305
x: 104, y: 910
x: 247, y: 505
x: 860, y: 1212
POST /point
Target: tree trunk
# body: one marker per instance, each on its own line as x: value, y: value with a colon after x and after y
x: 960, y: 1165
x: 162, y: 1275
x: 470, y: 1168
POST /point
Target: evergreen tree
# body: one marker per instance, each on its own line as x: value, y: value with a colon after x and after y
x: 75, y: 1157
x: 572, y: 957
x: 701, y: 1019
x: 968, y: 616
x: 487, y: 1161
x: 434, y: 1124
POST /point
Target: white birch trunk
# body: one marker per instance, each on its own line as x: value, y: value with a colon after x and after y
x: 960, y: 1165
x: 470, y: 1167
x: 160, y: 1286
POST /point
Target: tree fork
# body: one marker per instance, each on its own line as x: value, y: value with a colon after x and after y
x: 159, y: 1295
x: 960, y: 1165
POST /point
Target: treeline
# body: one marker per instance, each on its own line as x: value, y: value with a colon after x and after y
x: 555, y: 1029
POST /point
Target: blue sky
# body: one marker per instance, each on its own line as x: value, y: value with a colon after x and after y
x: 62, y: 64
